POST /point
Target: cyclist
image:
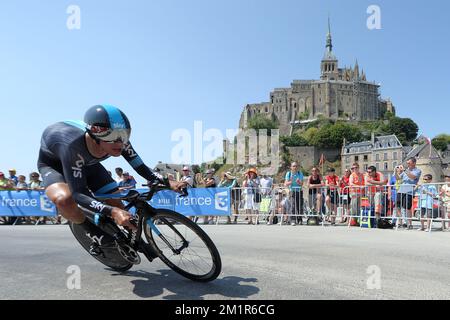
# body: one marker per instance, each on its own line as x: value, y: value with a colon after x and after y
x: 69, y: 163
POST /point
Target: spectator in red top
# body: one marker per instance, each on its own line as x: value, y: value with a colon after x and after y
x: 357, y: 183
x: 375, y: 194
x: 332, y: 182
x: 344, y: 183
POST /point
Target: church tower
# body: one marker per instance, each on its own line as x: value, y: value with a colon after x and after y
x: 329, y: 64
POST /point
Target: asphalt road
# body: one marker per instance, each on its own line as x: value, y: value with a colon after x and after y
x: 259, y: 262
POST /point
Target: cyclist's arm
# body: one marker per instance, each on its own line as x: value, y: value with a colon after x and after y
x: 75, y: 175
x: 138, y: 165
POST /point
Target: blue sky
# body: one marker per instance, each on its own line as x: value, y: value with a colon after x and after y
x: 169, y: 63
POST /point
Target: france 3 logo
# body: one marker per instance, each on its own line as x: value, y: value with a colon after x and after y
x: 222, y: 200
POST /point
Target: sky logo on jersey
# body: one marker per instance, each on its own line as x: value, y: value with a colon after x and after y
x: 77, y: 170
x: 130, y: 151
x: 221, y: 201
x: 97, y: 206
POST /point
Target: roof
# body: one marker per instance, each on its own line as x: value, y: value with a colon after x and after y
x: 423, y: 151
x: 385, y: 142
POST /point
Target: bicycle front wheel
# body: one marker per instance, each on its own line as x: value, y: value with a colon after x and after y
x: 183, y: 245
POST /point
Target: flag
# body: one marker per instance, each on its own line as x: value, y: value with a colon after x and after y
x: 322, y: 160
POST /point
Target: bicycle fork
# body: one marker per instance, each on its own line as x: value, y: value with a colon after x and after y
x: 164, y: 239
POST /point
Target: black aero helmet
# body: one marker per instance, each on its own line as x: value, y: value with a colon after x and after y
x: 107, y: 123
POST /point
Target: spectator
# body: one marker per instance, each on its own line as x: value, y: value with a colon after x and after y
x: 410, y: 177
x: 294, y: 180
x: 427, y: 194
x: 5, y: 184
x: 127, y: 182
x: 281, y: 205
x: 315, y: 185
x: 377, y: 181
x: 187, y: 177
x: 357, y: 182
x: 35, y: 183
x: 251, y: 185
x: 199, y: 181
x: 394, y: 186
x: 344, y: 184
x: 444, y: 193
x: 266, y: 185
x: 21, y: 184
x: 12, y: 177
x: 119, y: 173
x: 210, y: 182
x: 332, y: 183
x: 230, y: 182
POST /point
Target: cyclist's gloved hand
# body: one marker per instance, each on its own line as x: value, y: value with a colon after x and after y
x: 122, y: 218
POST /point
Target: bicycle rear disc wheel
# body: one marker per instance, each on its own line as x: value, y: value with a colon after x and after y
x: 112, y: 257
x: 197, y: 259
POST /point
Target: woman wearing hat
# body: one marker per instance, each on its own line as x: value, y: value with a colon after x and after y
x: 230, y: 182
x: 251, y: 185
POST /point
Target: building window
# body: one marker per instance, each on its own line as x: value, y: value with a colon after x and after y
x: 347, y: 159
x: 366, y: 158
x: 356, y: 158
x: 394, y: 164
x: 366, y: 166
x: 377, y: 166
x: 385, y: 156
x: 386, y: 166
x: 377, y: 157
x: 395, y: 155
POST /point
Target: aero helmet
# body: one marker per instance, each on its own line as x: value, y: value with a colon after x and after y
x: 107, y: 123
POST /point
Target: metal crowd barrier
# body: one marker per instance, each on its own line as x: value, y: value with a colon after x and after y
x: 359, y: 206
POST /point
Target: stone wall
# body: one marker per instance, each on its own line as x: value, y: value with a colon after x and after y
x: 308, y: 157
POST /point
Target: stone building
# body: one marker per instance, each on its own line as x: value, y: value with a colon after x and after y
x: 341, y: 93
x: 428, y: 160
x: 384, y: 152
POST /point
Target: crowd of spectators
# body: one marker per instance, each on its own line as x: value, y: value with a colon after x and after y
x: 316, y: 196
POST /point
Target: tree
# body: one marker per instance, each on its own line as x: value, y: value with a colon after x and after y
x: 441, y: 142
x: 295, y: 140
x: 309, y: 134
x: 332, y: 136
x: 404, y: 128
x: 262, y: 122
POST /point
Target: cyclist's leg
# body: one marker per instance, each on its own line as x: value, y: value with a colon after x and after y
x: 59, y: 193
x: 100, y: 182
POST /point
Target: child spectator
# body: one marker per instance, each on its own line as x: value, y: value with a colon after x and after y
x: 21, y: 184
x: 427, y: 193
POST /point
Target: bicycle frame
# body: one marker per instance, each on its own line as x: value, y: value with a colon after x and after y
x: 143, y: 210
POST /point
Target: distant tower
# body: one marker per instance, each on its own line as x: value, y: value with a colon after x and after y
x: 329, y: 64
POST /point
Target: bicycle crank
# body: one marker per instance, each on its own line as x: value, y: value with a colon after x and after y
x: 129, y: 254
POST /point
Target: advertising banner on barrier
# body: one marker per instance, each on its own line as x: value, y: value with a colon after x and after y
x: 199, y: 202
x: 25, y: 203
